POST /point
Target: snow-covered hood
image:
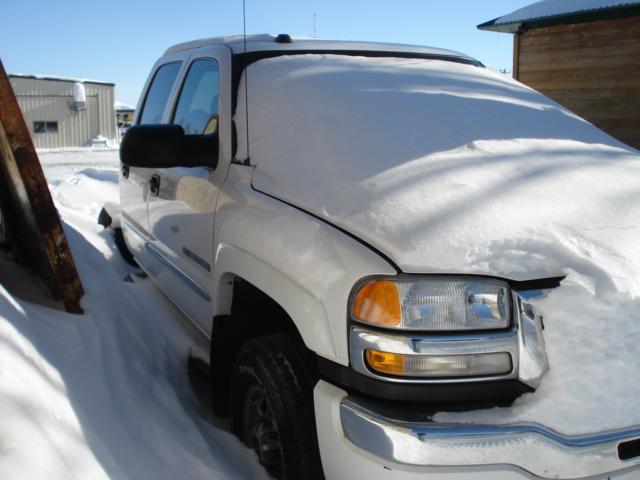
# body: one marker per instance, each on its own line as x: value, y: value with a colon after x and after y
x: 519, y: 209
x: 445, y: 167
x: 453, y: 168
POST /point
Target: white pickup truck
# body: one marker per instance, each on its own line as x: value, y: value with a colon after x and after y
x: 371, y: 235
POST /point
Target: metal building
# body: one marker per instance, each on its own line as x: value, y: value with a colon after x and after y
x: 65, y: 112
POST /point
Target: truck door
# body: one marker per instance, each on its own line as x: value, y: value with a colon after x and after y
x: 182, y: 200
x: 134, y: 181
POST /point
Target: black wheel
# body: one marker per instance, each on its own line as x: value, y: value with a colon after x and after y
x: 118, y: 236
x: 272, y: 405
x: 106, y: 221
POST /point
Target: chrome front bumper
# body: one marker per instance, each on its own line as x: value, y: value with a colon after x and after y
x: 533, y: 448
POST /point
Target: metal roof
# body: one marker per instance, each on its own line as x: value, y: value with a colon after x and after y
x: 123, y: 107
x: 266, y: 42
x: 557, y: 12
x: 58, y: 78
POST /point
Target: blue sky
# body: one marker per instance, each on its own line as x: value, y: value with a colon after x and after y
x: 118, y: 40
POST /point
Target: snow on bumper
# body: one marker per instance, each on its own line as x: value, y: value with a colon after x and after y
x: 352, y: 435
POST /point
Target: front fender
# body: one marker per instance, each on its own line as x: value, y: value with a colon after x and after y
x: 304, y: 264
x: 306, y: 311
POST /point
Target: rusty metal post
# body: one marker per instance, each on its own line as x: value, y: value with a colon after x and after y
x: 33, y: 226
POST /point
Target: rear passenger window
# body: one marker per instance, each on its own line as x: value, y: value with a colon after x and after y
x: 158, y: 93
x: 197, y: 109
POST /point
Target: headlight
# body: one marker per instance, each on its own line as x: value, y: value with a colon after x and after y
x: 433, y: 304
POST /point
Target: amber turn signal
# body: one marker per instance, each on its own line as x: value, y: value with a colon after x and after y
x: 378, y: 303
x: 385, y: 362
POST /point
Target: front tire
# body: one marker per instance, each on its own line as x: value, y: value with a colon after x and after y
x: 272, y: 405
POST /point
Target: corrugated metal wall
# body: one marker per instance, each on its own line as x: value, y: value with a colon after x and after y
x: 49, y: 100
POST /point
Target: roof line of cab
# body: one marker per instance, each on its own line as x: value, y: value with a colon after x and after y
x: 242, y: 60
x: 283, y: 44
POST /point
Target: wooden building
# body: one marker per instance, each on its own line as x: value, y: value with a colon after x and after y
x: 584, y: 54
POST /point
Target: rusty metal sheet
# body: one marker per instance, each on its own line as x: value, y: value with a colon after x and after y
x: 34, y: 230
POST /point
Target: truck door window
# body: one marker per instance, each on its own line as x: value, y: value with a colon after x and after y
x: 158, y: 93
x: 197, y: 109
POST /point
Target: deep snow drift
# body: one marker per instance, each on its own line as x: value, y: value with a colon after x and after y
x: 452, y: 168
x: 104, y: 394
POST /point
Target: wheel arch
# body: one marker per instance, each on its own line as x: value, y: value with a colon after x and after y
x: 253, y: 300
x: 303, y: 308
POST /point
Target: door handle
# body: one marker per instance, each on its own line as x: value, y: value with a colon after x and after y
x: 154, y: 185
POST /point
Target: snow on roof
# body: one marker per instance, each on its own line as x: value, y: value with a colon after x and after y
x: 60, y: 78
x: 266, y: 42
x: 554, y: 9
x: 123, y: 106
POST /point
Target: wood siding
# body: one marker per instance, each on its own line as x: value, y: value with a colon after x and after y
x: 591, y: 68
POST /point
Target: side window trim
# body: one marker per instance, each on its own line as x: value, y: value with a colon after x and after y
x: 179, y: 78
x: 183, y: 80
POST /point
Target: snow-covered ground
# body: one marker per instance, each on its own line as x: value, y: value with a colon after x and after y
x: 105, y: 394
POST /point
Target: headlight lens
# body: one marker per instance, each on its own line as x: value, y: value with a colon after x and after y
x: 433, y: 304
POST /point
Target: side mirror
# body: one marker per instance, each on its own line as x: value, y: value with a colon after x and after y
x: 166, y: 146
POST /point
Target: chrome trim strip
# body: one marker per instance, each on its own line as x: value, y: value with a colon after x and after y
x: 128, y: 222
x: 412, y: 344
x: 186, y: 279
x: 162, y: 258
x: 532, y: 447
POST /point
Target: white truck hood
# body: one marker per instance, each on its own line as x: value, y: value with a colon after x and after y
x: 443, y: 167
x: 446, y: 167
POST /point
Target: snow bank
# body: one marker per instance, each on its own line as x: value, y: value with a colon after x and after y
x: 593, y: 345
x: 104, y: 394
x: 452, y: 168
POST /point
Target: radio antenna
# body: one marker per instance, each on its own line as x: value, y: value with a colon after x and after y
x: 314, y: 25
x: 246, y: 80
